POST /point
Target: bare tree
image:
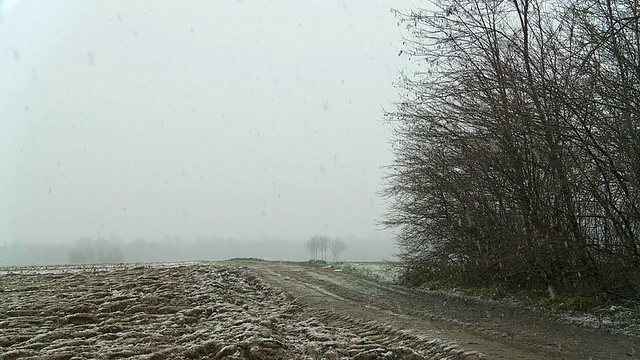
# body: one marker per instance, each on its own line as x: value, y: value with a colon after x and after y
x: 323, y: 245
x: 337, y: 246
x: 517, y: 143
x: 312, y: 246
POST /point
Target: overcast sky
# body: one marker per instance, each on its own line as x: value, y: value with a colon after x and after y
x: 245, y: 119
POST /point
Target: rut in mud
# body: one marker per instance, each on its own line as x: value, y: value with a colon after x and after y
x: 185, y: 311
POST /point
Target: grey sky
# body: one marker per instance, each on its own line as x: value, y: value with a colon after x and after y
x: 225, y: 118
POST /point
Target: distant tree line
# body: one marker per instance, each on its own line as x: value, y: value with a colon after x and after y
x: 517, y: 144
x: 89, y: 251
x: 113, y: 248
x: 318, y: 247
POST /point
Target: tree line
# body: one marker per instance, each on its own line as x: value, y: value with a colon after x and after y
x: 86, y: 250
x: 517, y: 144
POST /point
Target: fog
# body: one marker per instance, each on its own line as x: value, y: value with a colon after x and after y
x: 243, y: 126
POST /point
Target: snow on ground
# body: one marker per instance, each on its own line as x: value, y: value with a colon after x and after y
x: 615, y: 319
x: 158, y: 311
x: 387, y: 272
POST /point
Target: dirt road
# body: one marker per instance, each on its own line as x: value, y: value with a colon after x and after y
x: 390, y: 314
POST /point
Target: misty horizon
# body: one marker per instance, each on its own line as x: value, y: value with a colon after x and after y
x: 237, y: 120
x: 87, y: 250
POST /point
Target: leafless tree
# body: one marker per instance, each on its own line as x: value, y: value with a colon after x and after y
x: 313, y: 246
x: 323, y: 245
x: 337, y: 246
x: 517, y: 143
x: 318, y: 245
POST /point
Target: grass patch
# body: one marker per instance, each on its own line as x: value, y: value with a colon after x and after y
x: 314, y: 263
x: 379, y: 271
x: 618, y: 315
x: 246, y: 259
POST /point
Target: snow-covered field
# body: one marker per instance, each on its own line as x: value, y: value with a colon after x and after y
x: 160, y: 311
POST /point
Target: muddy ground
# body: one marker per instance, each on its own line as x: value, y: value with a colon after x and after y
x: 268, y: 310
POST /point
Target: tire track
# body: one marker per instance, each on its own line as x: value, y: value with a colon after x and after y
x: 372, y: 336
